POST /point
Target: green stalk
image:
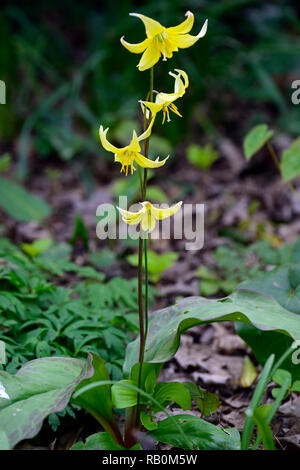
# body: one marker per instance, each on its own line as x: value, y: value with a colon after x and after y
x: 143, y: 317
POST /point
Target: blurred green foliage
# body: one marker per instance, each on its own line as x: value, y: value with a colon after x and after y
x: 66, y: 73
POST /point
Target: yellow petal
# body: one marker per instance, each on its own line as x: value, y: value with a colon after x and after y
x: 147, y: 132
x: 134, y: 145
x: 154, y: 107
x: 147, y: 163
x: 186, y: 40
x: 150, y: 57
x: 179, y: 88
x: 145, y: 222
x: 185, y: 77
x: 148, y: 222
x: 152, y: 27
x: 151, y: 222
x: 161, y: 214
x: 185, y: 26
x: 135, y: 48
x: 107, y: 145
x: 130, y: 216
x: 133, y: 221
x: 163, y: 99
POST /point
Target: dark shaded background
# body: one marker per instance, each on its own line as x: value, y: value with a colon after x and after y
x: 66, y: 73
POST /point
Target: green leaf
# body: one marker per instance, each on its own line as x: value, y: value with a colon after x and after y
x: 80, y: 233
x: 147, y: 421
x: 97, y: 401
x: 264, y: 343
x: 290, y: 162
x: 2, y: 353
x: 202, y: 157
x: 37, y: 247
x: 201, y: 434
x: 209, y: 287
x: 5, y: 162
x: 20, y: 204
x: 281, y: 376
x: 208, y: 402
x: 169, y: 392
x: 150, y: 373
x: 157, y: 264
x: 166, y: 326
x: 39, y: 388
x: 296, y: 386
x: 256, y: 139
x: 101, y: 441
x: 204, y: 273
x: 4, y: 442
x: 249, y: 373
x: 260, y: 416
x: 122, y: 396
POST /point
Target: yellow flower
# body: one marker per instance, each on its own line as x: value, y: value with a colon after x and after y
x: 163, y: 41
x: 165, y: 101
x: 148, y: 215
x: 131, y: 153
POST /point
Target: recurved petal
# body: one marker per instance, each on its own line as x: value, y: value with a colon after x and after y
x: 150, y: 57
x: 186, y: 40
x: 135, y: 48
x: 147, y: 163
x: 147, y: 132
x: 184, y: 75
x: 134, y: 221
x: 161, y: 214
x: 152, y: 27
x: 107, y: 145
x: 130, y: 216
x: 179, y: 88
x: 185, y: 26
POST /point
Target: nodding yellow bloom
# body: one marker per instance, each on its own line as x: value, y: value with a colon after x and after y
x: 165, y: 101
x: 161, y: 41
x: 131, y: 153
x: 148, y: 215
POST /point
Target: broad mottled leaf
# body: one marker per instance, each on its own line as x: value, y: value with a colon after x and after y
x: 283, y: 284
x: 97, y: 401
x: 123, y: 396
x: 20, y: 204
x: 166, y: 326
x: 101, y: 441
x: 265, y: 343
x: 256, y: 139
x: 201, y: 434
x: 2, y: 352
x: 166, y: 392
x: 4, y: 442
x: 39, y: 388
x: 290, y: 162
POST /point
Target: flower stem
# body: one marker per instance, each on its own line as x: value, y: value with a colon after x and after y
x: 143, y: 250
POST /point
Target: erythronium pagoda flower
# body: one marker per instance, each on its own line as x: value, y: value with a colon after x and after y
x: 148, y: 215
x: 131, y: 153
x: 165, y: 101
x: 163, y: 41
